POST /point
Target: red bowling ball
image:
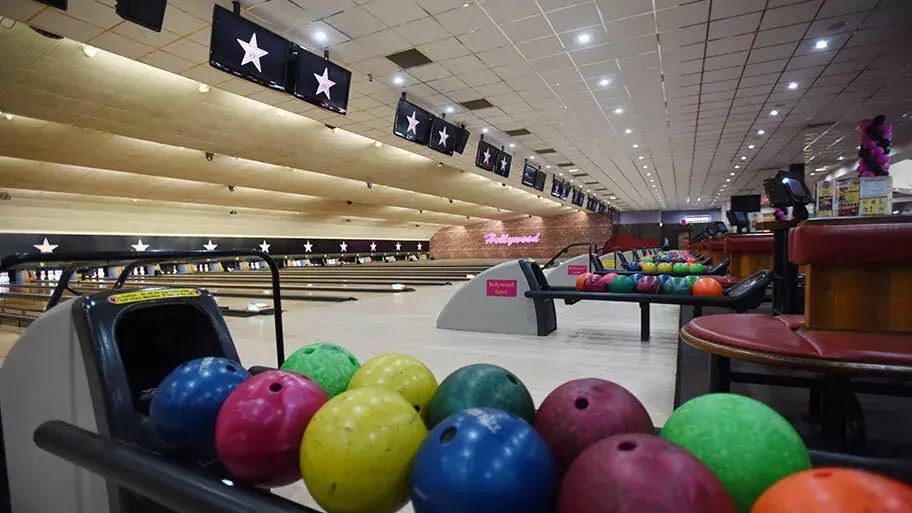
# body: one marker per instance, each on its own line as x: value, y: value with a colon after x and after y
x: 581, y: 412
x: 260, y: 426
x: 592, y: 283
x: 649, y: 285
x: 637, y: 473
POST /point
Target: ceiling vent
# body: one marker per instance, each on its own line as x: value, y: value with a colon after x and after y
x: 409, y: 59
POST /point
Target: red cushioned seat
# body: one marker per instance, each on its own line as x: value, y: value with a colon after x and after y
x: 858, y: 243
x: 794, y: 322
x: 848, y: 346
x: 748, y: 244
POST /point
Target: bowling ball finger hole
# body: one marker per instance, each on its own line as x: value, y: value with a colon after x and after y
x: 627, y: 446
x: 231, y: 368
x: 512, y: 379
x: 353, y: 360
x: 308, y: 350
x: 581, y: 404
x: 417, y: 408
x: 275, y: 387
x: 447, y: 435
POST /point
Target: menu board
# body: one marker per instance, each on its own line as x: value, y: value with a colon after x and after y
x: 824, y: 206
x: 875, y: 196
x: 847, y: 197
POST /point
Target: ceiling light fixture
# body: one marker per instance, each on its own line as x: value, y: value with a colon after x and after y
x: 737, y: 166
x: 560, y: 174
x: 820, y: 169
x: 531, y: 157
x: 774, y: 112
x: 636, y: 146
x: 512, y: 145
x: 547, y: 167
x: 813, y: 174
x: 750, y: 146
x: 731, y: 174
x: 450, y: 110
x: 645, y: 167
x: 320, y: 35
x: 728, y: 179
x: 203, y: 88
x: 793, y: 85
x: 89, y: 51
x: 604, y: 82
x: 761, y: 131
x: 821, y: 44
x: 648, y: 174
x: 628, y: 131
x: 398, y: 80
x: 618, y: 110
x: 743, y: 157
x: 840, y: 158
x: 641, y: 157
x: 583, y: 38
x: 612, y: 197
x: 484, y: 130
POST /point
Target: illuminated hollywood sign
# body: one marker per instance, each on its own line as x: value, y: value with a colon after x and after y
x: 509, y: 240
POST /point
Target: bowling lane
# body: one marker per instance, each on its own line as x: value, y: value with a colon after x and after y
x: 231, y: 282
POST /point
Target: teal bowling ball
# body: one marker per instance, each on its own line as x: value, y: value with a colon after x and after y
x: 691, y: 279
x: 621, y: 285
x: 679, y: 268
x: 697, y: 268
x: 676, y: 286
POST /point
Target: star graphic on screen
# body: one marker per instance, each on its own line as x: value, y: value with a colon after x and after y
x: 264, y: 247
x: 323, y: 83
x: 308, y: 246
x: 252, y: 53
x: 419, y: 246
x: 398, y: 246
x: 45, y: 247
x: 443, y: 136
x: 503, y: 164
x: 373, y: 246
x: 210, y: 246
x: 487, y: 156
x: 413, y: 123
x: 343, y: 246
x: 139, y: 246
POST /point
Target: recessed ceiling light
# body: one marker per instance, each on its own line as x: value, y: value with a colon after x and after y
x: 604, y: 82
x: 743, y: 157
x: 89, y: 51
x: 840, y: 158
x: 573, y: 170
x: 641, y: 157
x: 320, y: 35
x: 398, y: 80
x: 728, y: 179
x: 531, y: 157
x: 512, y: 145
x: 813, y: 174
x: 645, y: 167
x: 203, y: 88
x: 583, y: 38
x: 750, y: 146
x: 449, y: 110
x: 612, y: 197
x: 821, y: 44
x: 761, y: 131
x: 378, y: 144
x: 731, y: 174
x: 820, y: 169
x: 484, y: 130
x: 793, y: 85
x: 636, y: 145
x: 737, y: 166
x: 628, y: 131
x: 560, y: 174
x: 547, y: 167
x: 651, y: 180
x: 618, y: 110
x: 648, y: 174
x: 774, y: 112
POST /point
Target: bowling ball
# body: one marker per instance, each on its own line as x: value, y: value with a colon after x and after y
x: 744, y: 442
x: 259, y: 428
x: 484, y: 460
x: 581, y: 412
x: 591, y: 283
x: 691, y: 279
x: 664, y: 267
x: 679, y: 268
x: 633, y: 473
x: 697, y: 268
x: 634, y: 266
x: 357, y: 452
x: 647, y: 260
x: 186, y: 404
x: 406, y: 376
x: 690, y: 260
x: 636, y: 277
x: 835, y: 490
x: 579, y: 281
x: 676, y: 286
x: 649, y: 285
x: 664, y: 277
x: 605, y: 281
x: 649, y: 267
x: 707, y: 287
x: 481, y: 385
x: 329, y: 365
x: 621, y: 285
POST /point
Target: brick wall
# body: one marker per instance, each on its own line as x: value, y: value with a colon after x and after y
x: 555, y: 233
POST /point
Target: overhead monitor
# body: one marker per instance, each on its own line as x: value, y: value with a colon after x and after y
x: 720, y: 227
x: 502, y: 167
x: 443, y: 136
x: 578, y: 197
x: 528, y: 177
x: 557, y: 187
x: 486, y: 156
x: 540, y: 179
x: 247, y: 50
x: 412, y: 122
x: 148, y: 13
x: 740, y: 218
x: 746, y: 203
x: 322, y: 82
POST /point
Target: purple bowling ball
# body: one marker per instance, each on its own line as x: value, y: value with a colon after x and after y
x: 649, y: 285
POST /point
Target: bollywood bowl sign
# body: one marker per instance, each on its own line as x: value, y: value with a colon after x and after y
x: 509, y: 240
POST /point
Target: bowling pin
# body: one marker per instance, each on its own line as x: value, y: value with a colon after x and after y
x: 42, y: 276
x: 142, y: 271
x: 206, y: 267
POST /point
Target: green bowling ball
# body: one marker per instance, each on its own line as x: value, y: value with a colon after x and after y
x: 697, y: 268
x: 679, y: 268
x: 691, y: 279
x: 676, y: 286
x: 646, y: 259
x: 329, y: 365
x: 744, y: 442
x: 480, y: 385
x: 622, y: 285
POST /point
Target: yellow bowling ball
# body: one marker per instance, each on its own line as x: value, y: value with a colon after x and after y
x: 357, y: 451
x: 649, y: 267
x: 400, y: 373
x: 664, y: 267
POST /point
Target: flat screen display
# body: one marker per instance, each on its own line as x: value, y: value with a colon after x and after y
x: 720, y: 227
x: 528, y: 177
x: 412, y: 122
x: 578, y: 197
x: 322, y: 82
x: 247, y: 50
x: 746, y: 203
x: 443, y: 136
x: 557, y: 187
x: 540, y: 179
x: 486, y: 156
x: 740, y: 218
x: 776, y: 192
x: 504, y: 160
x: 602, y: 208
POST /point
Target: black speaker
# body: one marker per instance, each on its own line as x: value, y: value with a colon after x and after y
x: 462, y: 138
x: 56, y: 4
x: 148, y: 13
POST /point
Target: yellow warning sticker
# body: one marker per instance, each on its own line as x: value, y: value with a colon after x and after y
x: 151, y: 295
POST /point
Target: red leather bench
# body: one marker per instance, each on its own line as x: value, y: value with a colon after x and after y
x: 748, y: 253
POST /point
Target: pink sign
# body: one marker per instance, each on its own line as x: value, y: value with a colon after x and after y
x: 509, y: 240
x: 502, y: 288
x: 576, y: 270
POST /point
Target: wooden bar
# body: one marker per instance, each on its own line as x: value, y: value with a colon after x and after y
x: 850, y: 297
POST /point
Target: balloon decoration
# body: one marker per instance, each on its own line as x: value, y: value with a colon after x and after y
x: 780, y: 214
x: 874, y: 150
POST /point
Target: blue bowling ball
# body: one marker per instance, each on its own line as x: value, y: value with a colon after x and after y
x: 186, y: 404
x: 664, y: 277
x: 634, y: 266
x: 636, y: 277
x: 483, y: 460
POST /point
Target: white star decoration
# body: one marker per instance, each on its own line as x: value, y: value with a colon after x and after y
x: 373, y: 246
x: 413, y: 123
x: 487, y: 156
x: 45, y: 247
x: 503, y: 164
x: 323, y: 83
x: 419, y: 246
x: 443, y: 136
x: 398, y: 246
x: 252, y: 53
x: 307, y: 247
x: 344, y: 246
x: 210, y: 246
x: 139, y: 246
x: 264, y: 247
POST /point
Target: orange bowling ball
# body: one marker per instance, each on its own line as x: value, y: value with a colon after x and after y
x: 835, y: 490
x: 579, y: 281
x: 707, y: 287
